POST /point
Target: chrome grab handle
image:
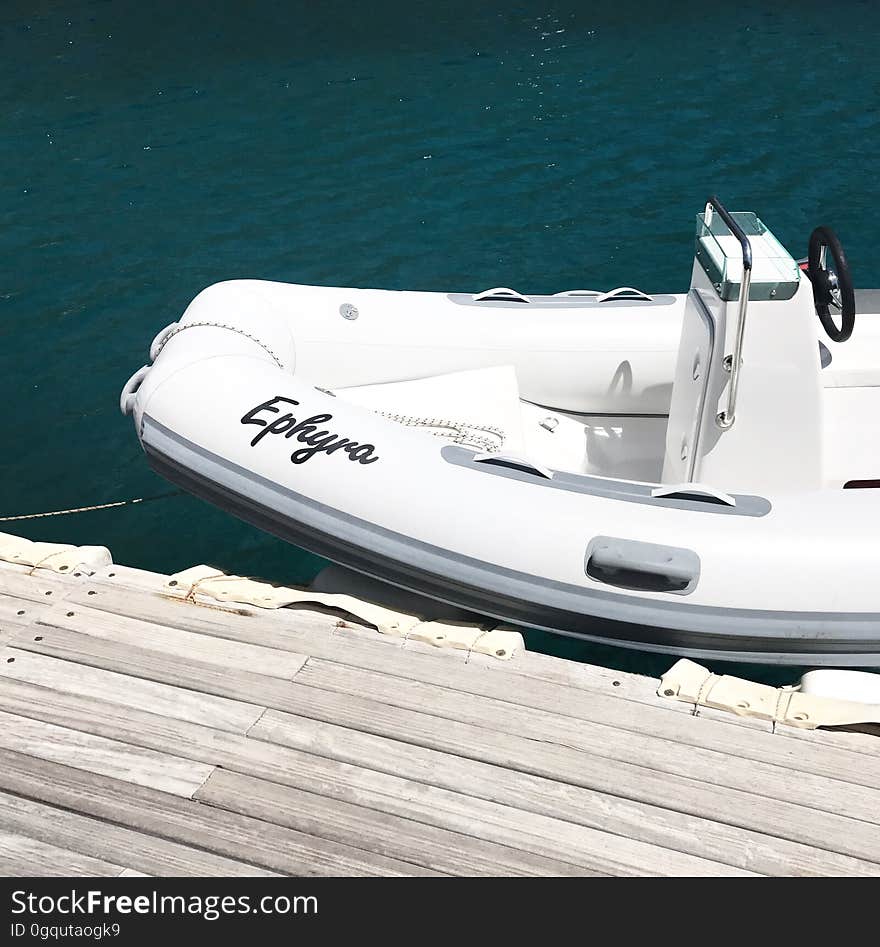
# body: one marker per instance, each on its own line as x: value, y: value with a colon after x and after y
x: 624, y: 293
x: 501, y: 293
x: 732, y: 363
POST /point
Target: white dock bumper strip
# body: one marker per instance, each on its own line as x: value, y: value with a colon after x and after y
x: 232, y: 589
x: 500, y: 643
x: 55, y: 556
x: 692, y: 683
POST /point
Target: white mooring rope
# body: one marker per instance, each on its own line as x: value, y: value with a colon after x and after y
x: 88, y: 509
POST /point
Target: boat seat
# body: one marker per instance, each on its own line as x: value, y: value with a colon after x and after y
x: 479, y: 408
x: 856, y: 363
x: 851, y: 436
x: 620, y: 446
x: 851, y: 398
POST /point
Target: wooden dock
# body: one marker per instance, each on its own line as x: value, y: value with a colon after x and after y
x: 140, y: 734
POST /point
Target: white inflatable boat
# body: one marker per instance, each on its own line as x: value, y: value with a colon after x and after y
x: 694, y: 473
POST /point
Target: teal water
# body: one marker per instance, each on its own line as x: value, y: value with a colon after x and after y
x: 150, y: 149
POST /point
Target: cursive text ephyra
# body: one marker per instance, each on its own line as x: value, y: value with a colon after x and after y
x: 306, y: 432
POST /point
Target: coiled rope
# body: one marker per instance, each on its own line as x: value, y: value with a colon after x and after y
x: 484, y: 437
x: 88, y: 509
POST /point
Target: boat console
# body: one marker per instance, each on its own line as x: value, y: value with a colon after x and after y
x: 746, y: 406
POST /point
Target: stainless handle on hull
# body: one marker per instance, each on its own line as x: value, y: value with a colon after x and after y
x: 646, y: 567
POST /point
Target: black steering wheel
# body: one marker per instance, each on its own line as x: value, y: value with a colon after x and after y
x: 832, y: 284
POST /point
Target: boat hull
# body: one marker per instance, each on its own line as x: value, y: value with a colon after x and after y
x: 237, y: 408
x: 733, y: 634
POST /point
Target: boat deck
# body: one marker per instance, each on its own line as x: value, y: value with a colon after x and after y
x: 143, y: 734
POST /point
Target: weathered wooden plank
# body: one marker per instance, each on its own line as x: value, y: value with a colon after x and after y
x: 172, y: 641
x: 126, y: 577
x: 19, y: 613
x: 608, y: 685
x: 21, y: 856
x: 309, y: 632
x: 628, y: 686
x: 96, y: 754
x: 563, y: 774
x: 622, y: 685
x: 105, y: 841
x: 570, y: 674
x: 183, y: 820
x: 177, y: 702
x: 39, y: 586
x: 673, y: 791
x: 819, y: 789
x: 314, y: 631
x: 308, y: 621
x: 293, y: 629
x: 466, y: 812
x: 374, y: 830
x: 157, y: 666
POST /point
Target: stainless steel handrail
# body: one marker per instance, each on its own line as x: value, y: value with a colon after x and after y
x: 731, y: 363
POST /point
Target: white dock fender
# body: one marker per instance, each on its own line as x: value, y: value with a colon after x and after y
x: 692, y: 683
x: 233, y: 589
x: 58, y: 557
